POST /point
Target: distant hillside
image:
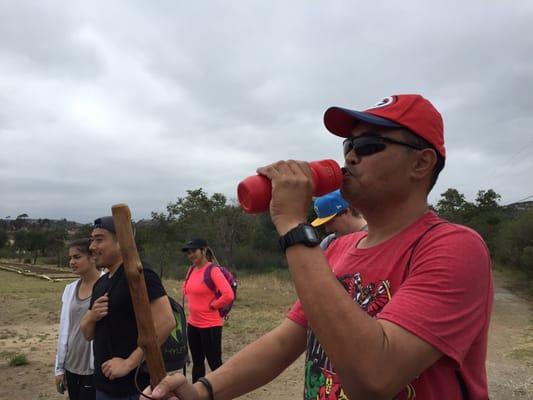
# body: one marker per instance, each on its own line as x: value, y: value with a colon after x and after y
x: 15, y: 224
x: 521, y: 206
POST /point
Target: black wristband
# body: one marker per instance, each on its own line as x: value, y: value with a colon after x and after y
x: 208, y: 386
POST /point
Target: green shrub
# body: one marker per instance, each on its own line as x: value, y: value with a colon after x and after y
x: 18, y: 360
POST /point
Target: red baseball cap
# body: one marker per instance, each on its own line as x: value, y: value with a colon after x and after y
x: 411, y: 111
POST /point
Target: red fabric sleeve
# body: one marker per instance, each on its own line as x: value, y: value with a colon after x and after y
x: 448, y: 288
x: 296, y: 314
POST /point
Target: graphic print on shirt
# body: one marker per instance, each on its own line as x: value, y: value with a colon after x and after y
x: 321, y: 381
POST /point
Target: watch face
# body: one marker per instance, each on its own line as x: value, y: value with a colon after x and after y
x: 310, y: 234
x: 303, y: 234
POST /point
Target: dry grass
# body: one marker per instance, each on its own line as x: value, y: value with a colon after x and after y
x: 262, y: 303
x: 28, y: 299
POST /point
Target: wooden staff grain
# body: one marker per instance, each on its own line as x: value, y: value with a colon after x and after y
x: 139, y: 295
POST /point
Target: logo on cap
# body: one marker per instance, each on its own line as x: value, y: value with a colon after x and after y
x: 383, y: 103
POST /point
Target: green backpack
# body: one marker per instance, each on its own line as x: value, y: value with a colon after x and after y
x: 175, y: 350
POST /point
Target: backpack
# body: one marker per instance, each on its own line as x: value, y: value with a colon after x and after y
x: 174, y: 350
x: 224, y: 311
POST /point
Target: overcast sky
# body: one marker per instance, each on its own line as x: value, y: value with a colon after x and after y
x: 105, y: 102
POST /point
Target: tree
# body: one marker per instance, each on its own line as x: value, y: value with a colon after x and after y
x: 453, y: 206
x: 239, y: 240
x: 3, y: 238
x: 487, y: 200
x: 83, y: 231
x: 35, y: 242
x: 20, y: 240
x: 54, y: 241
x: 487, y: 217
x: 158, y: 238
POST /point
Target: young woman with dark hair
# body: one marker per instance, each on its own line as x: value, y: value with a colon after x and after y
x: 74, y: 359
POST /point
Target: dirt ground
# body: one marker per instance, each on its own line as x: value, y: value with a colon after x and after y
x: 28, y: 324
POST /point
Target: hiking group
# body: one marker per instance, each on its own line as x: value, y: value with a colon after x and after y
x: 395, y: 303
x: 98, y: 356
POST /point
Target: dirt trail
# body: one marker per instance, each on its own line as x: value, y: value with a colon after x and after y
x: 509, y: 363
x: 510, y: 353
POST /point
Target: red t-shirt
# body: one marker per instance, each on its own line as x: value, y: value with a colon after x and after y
x: 203, y: 305
x: 444, y: 297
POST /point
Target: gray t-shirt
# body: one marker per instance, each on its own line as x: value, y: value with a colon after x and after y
x: 79, y: 349
x: 324, y: 244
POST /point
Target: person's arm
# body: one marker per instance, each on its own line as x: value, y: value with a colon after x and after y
x: 164, y: 322
x: 226, y: 292
x: 63, y: 334
x: 373, y: 358
x: 97, y: 311
x: 243, y: 373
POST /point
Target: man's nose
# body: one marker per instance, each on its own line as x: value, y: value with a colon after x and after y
x: 351, y: 158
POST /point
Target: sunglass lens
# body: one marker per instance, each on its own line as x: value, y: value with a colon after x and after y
x: 363, y: 146
x: 347, y: 147
x: 366, y: 149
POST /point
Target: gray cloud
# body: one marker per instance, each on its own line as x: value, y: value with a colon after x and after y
x: 137, y: 102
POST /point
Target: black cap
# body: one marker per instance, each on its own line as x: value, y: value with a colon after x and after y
x: 193, y: 244
x: 106, y: 223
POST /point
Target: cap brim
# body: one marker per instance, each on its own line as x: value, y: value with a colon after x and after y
x: 320, y: 221
x: 184, y: 249
x: 340, y: 121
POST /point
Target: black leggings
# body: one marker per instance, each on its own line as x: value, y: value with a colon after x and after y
x: 204, y: 343
x: 80, y: 387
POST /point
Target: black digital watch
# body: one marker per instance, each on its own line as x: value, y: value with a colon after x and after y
x: 304, y: 234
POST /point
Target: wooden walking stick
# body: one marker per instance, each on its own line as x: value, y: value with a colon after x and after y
x: 147, y: 339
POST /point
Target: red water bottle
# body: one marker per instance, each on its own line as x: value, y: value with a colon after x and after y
x: 255, y: 192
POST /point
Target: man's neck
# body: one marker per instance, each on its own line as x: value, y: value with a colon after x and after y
x: 113, y: 268
x: 386, y: 220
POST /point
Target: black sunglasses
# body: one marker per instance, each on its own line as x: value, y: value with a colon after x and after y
x: 371, y: 144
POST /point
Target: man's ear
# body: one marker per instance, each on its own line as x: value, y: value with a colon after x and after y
x: 424, y: 164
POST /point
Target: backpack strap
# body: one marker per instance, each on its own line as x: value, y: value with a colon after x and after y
x: 460, y: 380
x: 208, y: 279
x: 417, y: 241
x: 187, y: 276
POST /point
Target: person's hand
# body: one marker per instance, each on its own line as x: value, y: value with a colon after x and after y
x: 174, y: 387
x: 100, y: 307
x: 60, y: 379
x: 292, y: 187
x: 60, y: 383
x: 116, y: 368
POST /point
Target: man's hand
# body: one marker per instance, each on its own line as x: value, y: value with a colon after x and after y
x: 175, y: 387
x: 292, y: 187
x: 60, y: 379
x: 116, y: 368
x: 61, y: 383
x: 100, y: 308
